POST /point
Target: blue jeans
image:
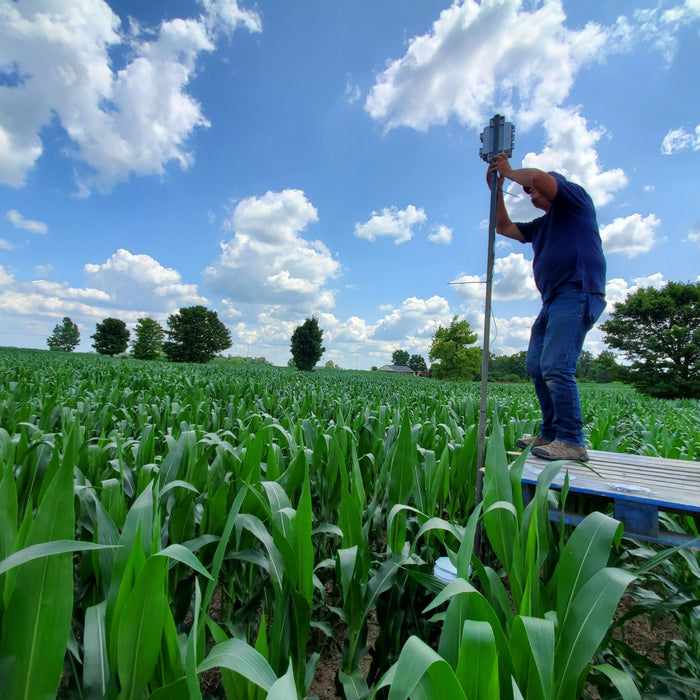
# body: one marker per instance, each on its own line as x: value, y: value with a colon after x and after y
x: 556, y: 341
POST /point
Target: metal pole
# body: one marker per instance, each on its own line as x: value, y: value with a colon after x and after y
x: 493, y: 144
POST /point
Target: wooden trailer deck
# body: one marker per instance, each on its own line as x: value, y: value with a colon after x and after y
x: 638, y: 487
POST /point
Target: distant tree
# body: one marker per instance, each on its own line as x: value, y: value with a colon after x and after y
x: 583, y: 366
x: 306, y: 344
x: 65, y: 336
x: 605, y: 368
x: 457, y: 361
x: 332, y: 365
x: 400, y: 357
x: 508, y: 368
x: 417, y: 363
x: 659, y: 331
x: 111, y: 337
x: 149, y: 339
x: 195, y: 335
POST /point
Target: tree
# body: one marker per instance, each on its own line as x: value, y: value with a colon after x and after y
x: 400, y: 357
x: 417, y: 363
x: 659, y: 331
x: 306, y: 344
x: 456, y: 360
x: 65, y: 336
x: 195, y: 335
x: 508, y: 368
x: 583, y: 365
x: 111, y: 336
x: 605, y: 369
x: 149, y: 339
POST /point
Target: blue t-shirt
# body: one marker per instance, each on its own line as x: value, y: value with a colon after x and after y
x: 566, y: 243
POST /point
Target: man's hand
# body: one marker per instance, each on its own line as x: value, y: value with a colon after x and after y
x: 499, y: 164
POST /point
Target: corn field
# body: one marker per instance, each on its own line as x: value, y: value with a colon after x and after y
x: 179, y: 531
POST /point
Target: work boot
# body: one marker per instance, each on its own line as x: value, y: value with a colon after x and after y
x: 561, y: 450
x: 537, y: 441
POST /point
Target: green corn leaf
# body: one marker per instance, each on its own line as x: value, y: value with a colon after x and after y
x: 422, y: 674
x: 47, y: 549
x: 586, y: 553
x: 354, y: 684
x: 140, y: 627
x: 284, y: 688
x: 346, y: 559
x: 178, y: 690
x: 96, y: 673
x: 587, y: 621
x: 180, y: 553
x: 236, y: 655
x: 532, y: 650
x: 622, y: 681
x: 36, y: 622
x: 477, y: 669
x: 8, y: 511
x: 191, y: 654
x: 303, y: 546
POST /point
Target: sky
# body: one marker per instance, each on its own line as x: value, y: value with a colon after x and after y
x: 282, y: 159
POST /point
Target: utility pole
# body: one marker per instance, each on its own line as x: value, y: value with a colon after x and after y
x: 497, y: 137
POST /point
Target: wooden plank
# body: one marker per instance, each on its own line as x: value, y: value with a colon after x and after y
x: 671, y: 484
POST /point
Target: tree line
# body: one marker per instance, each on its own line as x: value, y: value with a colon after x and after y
x: 194, y: 334
x: 656, y: 330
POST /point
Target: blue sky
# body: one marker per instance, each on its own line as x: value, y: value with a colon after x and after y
x: 278, y: 160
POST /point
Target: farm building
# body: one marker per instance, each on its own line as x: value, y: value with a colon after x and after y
x: 397, y: 369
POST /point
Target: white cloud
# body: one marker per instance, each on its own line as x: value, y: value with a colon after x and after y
x: 392, y: 222
x: 6, y: 278
x: 441, y: 234
x: 694, y: 233
x: 130, y: 119
x: 43, y: 270
x: 678, y: 140
x: 512, y: 279
x: 417, y: 318
x: 485, y: 56
x: 268, y: 262
x: 570, y: 150
x: 631, y: 235
x: 139, y: 281
x: 5, y: 245
x: 18, y: 221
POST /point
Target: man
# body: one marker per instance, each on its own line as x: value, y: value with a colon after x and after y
x: 569, y: 269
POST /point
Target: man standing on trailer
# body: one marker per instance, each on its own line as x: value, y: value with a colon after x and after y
x: 569, y: 269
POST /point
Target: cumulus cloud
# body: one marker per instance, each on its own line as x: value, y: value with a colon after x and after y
x: 512, y: 279
x: 415, y: 317
x: 441, y: 234
x: 140, y: 281
x: 571, y: 150
x: 18, y: 221
x: 268, y: 261
x: 677, y: 140
x: 481, y: 56
x: 694, y: 234
x: 121, y: 119
x: 5, y: 245
x: 631, y: 235
x: 393, y: 223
